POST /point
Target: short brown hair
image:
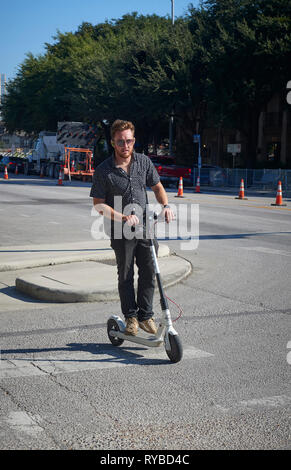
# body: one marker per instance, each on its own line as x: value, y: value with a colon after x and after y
x: 120, y: 125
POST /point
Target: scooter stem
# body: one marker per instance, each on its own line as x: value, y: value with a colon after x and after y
x: 163, y: 299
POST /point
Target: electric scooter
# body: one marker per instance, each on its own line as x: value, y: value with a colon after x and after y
x: 166, y: 333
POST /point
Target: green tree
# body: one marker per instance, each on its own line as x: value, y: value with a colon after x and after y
x: 219, y: 65
x: 248, y: 48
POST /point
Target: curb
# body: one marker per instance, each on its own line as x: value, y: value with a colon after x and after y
x: 67, y: 288
x: 39, y: 260
x: 42, y: 262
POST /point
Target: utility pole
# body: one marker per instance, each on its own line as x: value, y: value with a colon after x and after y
x: 173, y: 11
x: 171, y: 123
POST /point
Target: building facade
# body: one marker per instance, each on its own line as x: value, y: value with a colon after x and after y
x: 273, y: 140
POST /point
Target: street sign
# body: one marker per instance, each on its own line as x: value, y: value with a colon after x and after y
x: 234, y: 148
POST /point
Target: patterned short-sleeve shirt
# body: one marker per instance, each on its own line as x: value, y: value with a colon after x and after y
x: 110, y: 181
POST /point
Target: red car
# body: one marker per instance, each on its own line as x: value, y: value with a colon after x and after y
x: 170, y: 172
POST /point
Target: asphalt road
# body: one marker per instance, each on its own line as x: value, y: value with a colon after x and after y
x: 72, y: 389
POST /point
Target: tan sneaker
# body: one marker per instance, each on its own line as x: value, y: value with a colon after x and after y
x: 148, y: 325
x: 131, y: 326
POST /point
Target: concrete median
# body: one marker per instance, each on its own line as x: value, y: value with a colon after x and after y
x: 81, y: 272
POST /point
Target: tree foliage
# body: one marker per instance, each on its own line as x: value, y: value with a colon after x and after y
x: 218, y: 65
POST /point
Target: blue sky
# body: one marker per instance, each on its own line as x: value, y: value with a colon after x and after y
x: 26, y: 25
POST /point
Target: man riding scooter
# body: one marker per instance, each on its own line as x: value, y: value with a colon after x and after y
x: 125, y: 175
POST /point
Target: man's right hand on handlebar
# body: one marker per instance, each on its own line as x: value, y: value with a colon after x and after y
x: 131, y: 219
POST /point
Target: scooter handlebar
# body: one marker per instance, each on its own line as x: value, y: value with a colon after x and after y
x: 153, y: 218
x: 133, y: 213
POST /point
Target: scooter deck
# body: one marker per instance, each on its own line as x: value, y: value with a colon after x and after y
x: 151, y: 341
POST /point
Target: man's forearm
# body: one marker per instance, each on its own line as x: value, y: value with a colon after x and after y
x: 161, y: 195
x: 109, y: 212
x: 162, y: 198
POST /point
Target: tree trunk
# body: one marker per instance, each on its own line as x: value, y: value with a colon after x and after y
x: 252, y: 137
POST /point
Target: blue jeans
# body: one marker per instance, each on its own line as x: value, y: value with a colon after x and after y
x: 127, y: 252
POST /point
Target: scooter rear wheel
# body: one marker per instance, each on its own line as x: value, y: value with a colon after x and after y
x: 113, y: 325
x: 175, y: 353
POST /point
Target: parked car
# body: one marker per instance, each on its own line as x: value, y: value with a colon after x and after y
x: 11, y: 163
x: 169, y: 172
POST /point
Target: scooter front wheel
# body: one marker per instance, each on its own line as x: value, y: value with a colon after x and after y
x: 113, y: 325
x: 175, y: 353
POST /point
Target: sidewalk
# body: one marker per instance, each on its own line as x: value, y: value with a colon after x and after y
x: 30, y: 256
x: 77, y: 272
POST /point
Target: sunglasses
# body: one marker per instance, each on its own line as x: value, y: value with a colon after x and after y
x: 121, y: 143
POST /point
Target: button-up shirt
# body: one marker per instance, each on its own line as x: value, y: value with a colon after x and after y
x: 110, y: 181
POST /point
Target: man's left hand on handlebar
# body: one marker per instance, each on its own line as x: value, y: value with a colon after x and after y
x: 168, y: 214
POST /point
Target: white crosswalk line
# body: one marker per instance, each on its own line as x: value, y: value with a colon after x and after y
x: 74, y: 361
x: 23, y: 422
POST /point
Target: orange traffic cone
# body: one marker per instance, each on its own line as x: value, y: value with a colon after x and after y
x: 41, y: 172
x: 180, y: 188
x: 16, y: 170
x: 279, y: 200
x: 60, y: 182
x: 5, y: 173
x: 198, y: 185
x: 241, y: 191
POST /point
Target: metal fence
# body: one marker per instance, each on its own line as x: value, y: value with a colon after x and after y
x: 264, y: 179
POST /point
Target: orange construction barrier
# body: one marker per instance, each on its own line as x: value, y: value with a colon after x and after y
x: 279, y: 200
x: 5, y: 173
x: 241, y: 191
x: 180, y: 188
x: 198, y: 185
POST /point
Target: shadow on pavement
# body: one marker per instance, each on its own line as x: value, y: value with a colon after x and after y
x: 122, y: 355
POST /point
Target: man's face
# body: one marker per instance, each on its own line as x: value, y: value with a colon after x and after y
x: 123, y: 143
